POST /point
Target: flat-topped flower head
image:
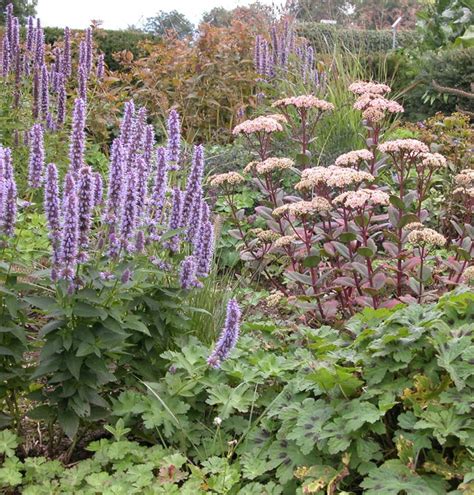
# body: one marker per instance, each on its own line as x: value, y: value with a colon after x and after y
x: 267, y: 236
x: 316, y: 206
x: 353, y: 158
x: 361, y: 198
x: 465, y: 178
x: 272, y: 164
x: 410, y: 227
x: 259, y: 124
x: 434, y: 160
x: 373, y: 115
x: 304, y: 101
x: 332, y: 176
x: 229, y: 178
x: 278, y: 117
x: 469, y: 274
x: 376, y: 102
x: 425, y: 236
x: 412, y: 147
x: 361, y: 87
x: 285, y: 240
x: 250, y: 167
x: 274, y: 299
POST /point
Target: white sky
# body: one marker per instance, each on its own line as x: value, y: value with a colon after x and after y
x: 117, y: 14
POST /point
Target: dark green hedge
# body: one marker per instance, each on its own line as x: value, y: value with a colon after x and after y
x: 109, y: 42
x: 324, y: 38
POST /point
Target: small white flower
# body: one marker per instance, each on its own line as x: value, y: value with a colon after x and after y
x: 217, y: 421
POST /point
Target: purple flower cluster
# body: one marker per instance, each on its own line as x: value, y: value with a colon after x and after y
x: 8, y: 193
x: 188, y: 273
x: 229, y: 336
x: 37, y: 157
x: 174, y: 139
x: 69, y: 248
x: 78, y: 136
x: 274, y: 56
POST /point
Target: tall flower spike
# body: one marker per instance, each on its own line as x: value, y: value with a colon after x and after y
x: 44, y: 91
x: 148, y: 145
x: 85, y: 205
x: 205, y: 249
x: 187, y: 274
x: 159, y: 191
x: 78, y: 136
x: 175, y: 219
x: 89, y: 50
x: 98, y: 188
x: 61, y: 101
x: 229, y: 336
x: 116, y: 182
x: 5, y: 56
x: 36, y: 93
x: 141, y: 185
x: 82, y: 82
x: 174, y: 139
x: 100, y: 67
x: 52, y: 210
x: 126, y: 125
x: 193, y: 185
x: 9, y: 208
x: 39, y: 55
x: 129, y: 213
x: 70, y: 230
x: 37, y: 156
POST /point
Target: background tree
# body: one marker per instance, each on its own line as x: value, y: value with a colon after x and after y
x: 218, y: 16
x: 381, y: 14
x: 21, y: 9
x: 317, y: 10
x: 163, y: 22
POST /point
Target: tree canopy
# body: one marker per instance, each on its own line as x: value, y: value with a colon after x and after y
x: 21, y: 9
x: 163, y: 22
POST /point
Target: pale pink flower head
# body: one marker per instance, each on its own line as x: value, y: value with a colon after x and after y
x: 332, y: 176
x: 411, y: 147
x: 425, y: 236
x: 361, y: 87
x: 353, y: 158
x: 377, y: 103
x: 362, y: 197
x: 273, y: 164
x: 434, y: 160
x: 229, y: 178
x: 304, y: 101
x: 259, y: 124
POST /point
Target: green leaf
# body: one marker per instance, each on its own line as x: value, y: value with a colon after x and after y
x: 69, y: 422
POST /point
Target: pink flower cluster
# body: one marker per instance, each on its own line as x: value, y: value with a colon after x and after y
x: 412, y: 147
x: 332, y: 176
x: 304, y: 101
x: 259, y: 124
x: 361, y: 87
x: 362, y: 197
x: 353, y: 158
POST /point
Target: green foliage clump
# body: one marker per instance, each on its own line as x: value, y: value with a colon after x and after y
x: 383, y: 405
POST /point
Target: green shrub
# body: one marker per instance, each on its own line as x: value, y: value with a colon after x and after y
x: 324, y: 38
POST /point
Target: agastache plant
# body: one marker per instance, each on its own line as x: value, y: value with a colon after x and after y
x: 37, y: 157
x: 78, y: 136
x: 174, y: 139
x: 228, y: 337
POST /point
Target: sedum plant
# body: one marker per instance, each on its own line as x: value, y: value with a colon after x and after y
x: 354, y: 234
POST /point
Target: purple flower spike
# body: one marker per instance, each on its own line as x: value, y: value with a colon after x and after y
x: 116, y: 179
x: 89, y: 47
x: 140, y: 242
x: 70, y: 230
x: 39, y: 55
x: 160, y: 186
x: 78, y: 136
x: 86, y: 204
x: 82, y: 82
x: 205, y: 249
x: 187, y: 275
x: 114, y: 246
x: 229, y: 336
x: 126, y: 126
x: 175, y: 219
x: 9, y: 208
x: 193, y: 185
x: 148, y: 145
x: 52, y: 209
x: 126, y: 276
x: 98, y: 189
x: 100, y: 67
x: 67, y: 66
x: 5, y: 56
x: 36, y: 93
x: 36, y: 161
x: 61, y: 101
x: 141, y: 185
x: 129, y: 215
x: 174, y: 139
